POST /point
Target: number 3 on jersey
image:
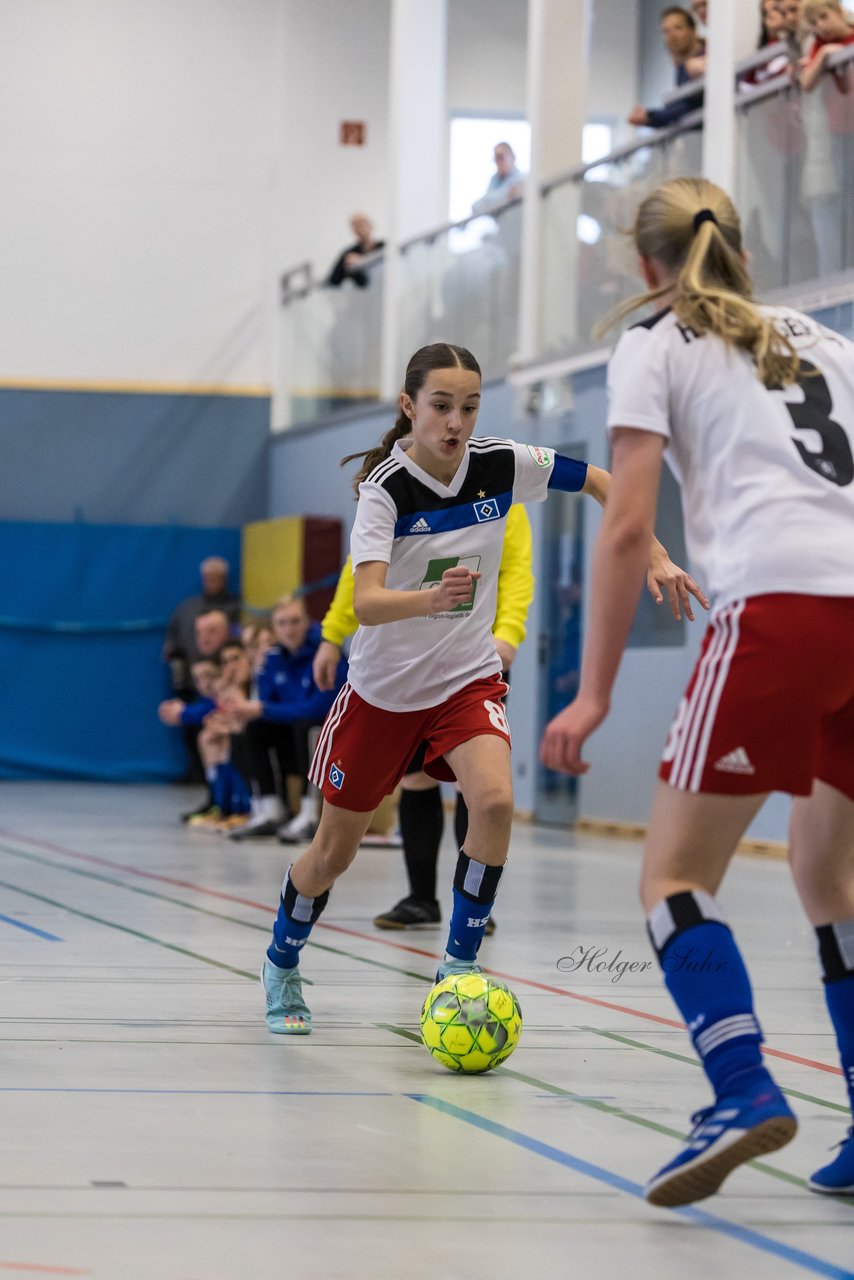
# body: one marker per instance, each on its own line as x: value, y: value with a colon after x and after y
x: 834, y: 461
x: 497, y: 716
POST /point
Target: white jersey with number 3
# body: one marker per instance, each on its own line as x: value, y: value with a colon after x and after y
x: 766, y: 473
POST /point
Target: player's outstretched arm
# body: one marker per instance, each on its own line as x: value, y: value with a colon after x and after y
x: 663, y: 575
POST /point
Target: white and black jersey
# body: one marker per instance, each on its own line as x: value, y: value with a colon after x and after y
x: 766, y: 472
x: 420, y: 527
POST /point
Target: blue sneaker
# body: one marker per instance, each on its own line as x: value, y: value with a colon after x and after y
x: 837, y: 1178
x: 287, y: 1012
x: 449, y: 968
x: 724, y: 1136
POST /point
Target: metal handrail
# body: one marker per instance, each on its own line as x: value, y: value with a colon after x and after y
x: 655, y: 137
x: 753, y: 60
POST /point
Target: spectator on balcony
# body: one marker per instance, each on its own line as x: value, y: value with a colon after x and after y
x: 352, y: 263
x: 831, y: 29
x: 829, y: 126
x: 791, y: 11
x: 772, y: 30
x: 679, y: 30
x: 700, y: 10
x: 506, y: 184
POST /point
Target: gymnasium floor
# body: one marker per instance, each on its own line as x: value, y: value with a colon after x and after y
x: 153, y: 1130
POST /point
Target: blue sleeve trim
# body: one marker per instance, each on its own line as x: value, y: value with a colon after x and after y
x: 568, y: 475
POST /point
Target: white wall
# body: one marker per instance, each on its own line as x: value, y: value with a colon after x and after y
x: 335, y: 66
x: 136, y: 154
x: 613, y: 63
x: 487, y: 42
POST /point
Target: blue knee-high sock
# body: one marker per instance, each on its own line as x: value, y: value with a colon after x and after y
x: 836, y: 950
x: 475, y: 887
x: 219, y: 789
x: 705, y: 974
x: 294, y: 922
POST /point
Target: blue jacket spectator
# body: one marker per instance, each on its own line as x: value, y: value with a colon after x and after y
x: 286, y: 688
x: 688, y: 52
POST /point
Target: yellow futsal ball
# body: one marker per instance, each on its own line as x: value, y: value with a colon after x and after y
x: 471, y: 1022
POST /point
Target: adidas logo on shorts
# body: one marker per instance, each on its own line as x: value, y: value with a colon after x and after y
x: 420, y: 526
x: 737, y: 761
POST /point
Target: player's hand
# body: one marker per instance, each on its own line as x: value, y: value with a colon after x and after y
x: 325, y: 665
x: 566, y: 734
x: 456, y: 587
x: 665, y: 576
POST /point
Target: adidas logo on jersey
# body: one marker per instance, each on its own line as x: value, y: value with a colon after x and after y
x: 420, y: 526
x: 737, y: 761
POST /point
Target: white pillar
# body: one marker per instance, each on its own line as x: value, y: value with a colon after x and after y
x: 558, y: 61
x: 719, y: 128
x: 417, y: 152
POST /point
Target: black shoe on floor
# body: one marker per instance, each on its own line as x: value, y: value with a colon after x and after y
x: 410, y: 913
x: 256, y: 829
x: 204, y: 807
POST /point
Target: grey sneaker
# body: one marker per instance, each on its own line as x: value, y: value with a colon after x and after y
x: 450, y: 968
x: 287, y: 1012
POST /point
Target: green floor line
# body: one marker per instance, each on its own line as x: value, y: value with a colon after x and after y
x: 595, y: 1104
x: 694, y: 1062
x: 134, y: 933
x: 132, y: 888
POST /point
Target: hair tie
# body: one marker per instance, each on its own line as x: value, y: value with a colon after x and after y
x: 705, y: 215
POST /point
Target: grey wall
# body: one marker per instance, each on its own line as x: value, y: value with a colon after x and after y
x: 122, y: 458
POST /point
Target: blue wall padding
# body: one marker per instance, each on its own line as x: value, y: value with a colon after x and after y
x: 82, y: 614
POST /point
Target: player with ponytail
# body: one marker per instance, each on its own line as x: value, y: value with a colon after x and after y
x: 755, y: 407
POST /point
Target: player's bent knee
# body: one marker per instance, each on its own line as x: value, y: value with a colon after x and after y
x: 493, y: 806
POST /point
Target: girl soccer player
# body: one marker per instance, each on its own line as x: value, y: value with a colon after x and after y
x: 756, y: 407
x: 426, y: 545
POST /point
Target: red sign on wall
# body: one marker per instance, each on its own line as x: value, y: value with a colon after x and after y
x: 352, y: 133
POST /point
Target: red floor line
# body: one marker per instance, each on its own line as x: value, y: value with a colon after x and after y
x: 42, y: 1270
x: 398, y: 946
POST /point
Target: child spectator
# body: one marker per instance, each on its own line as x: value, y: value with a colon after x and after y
x: 278, y: 720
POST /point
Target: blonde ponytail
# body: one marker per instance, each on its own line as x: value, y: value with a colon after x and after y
x: 691, y: 227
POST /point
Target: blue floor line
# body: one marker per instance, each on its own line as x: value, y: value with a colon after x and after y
x: 702, y: 1217
x: 29, y: 928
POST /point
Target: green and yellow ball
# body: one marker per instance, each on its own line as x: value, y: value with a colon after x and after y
x: 471, y: 1022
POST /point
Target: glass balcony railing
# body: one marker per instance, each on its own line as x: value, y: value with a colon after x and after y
x: 588, y: 265
x: 794, y: 187
x: 329, y: 345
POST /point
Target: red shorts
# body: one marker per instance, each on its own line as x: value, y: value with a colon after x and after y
x: 770, y: 705
x: 363, y: 751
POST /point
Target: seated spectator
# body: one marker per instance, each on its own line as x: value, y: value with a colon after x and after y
x: 189, y: 716
x: 679, y: 30
x: 506, y: 184
x: 230, y: 790
x: 356, y: 257
x: 257, y: 639
x: 277, y: 724
x: 180, y: 648
x: 831, y: 29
